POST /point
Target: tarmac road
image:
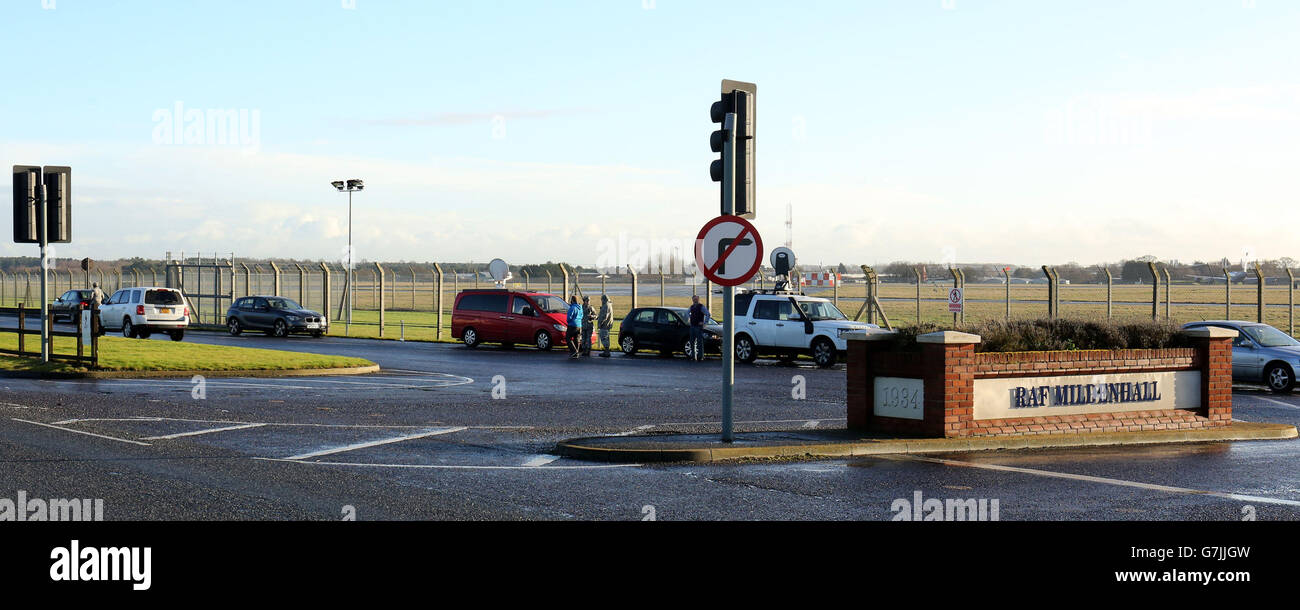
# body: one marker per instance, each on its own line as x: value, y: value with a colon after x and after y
x: 426, y: 439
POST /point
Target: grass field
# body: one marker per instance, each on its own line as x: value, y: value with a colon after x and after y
x: 119, y: 354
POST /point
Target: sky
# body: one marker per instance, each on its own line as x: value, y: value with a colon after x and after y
x: 1025, y: 132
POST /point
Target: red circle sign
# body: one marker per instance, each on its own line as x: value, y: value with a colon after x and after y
x: 728, y: 250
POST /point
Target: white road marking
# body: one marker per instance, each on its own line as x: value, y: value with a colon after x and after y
x: 1276, y: 402
x: 18, y: 406
x: 387, y: 441
x: 286, y: 424
x: 810, y: 424
x: 452, y: 466
x: 634, y: 430
x: 540, y: 460
x: 111, y: 438
x: 1102, y: 480
x: 198, y: 432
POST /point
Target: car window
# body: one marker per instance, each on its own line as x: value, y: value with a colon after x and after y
x: 551, y: 304
x: 742, y: 303
x: 645, y: 315
x: 822, y: 310
x: 1267, y: 336
x: 260, y: 303
x: 520, y: 304
x: 665, y: 317
x: 485, y: 302
x: 766, y: 310
x: 135, y: 296
x: 119, y: 297
x: 160, y: 297
x: 282, y: 303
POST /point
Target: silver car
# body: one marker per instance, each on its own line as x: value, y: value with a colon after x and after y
x: 1260, y: 353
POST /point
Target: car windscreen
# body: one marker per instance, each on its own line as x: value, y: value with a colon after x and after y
x: 162, y: 297
x: 822, y: 310
x: 550, y: 304
x: 1267, y: 336
x: 281, y: 303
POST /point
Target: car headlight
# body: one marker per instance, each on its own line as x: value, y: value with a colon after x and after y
x: 842, y: 331
x: 558, y: 327
x: 293, y: 318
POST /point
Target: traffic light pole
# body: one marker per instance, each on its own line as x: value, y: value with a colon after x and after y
x: 728, y: 292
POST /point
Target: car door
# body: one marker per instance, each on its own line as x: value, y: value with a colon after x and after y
x: 260, y: 315
x: 643, y: 327
x: 669, y: 330
x: 765, y: 322
x: 519, y: 322
x: 113, y: 310
x: 1247, y: 358
x: 790, y: 330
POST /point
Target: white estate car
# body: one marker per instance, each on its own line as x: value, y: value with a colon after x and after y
x: 139, y: 312
x: 788, y: 324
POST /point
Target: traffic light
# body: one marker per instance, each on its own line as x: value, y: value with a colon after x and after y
x: 27, y: 178
x: 738, y: 98
x: 58, y: 204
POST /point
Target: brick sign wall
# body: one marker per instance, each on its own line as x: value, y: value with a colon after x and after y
x: 946, y: 389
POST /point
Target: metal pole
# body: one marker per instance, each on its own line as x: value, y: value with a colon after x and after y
x: 45, y: 272
x: 1259, y: 294
x: 1227, y: 286
x: 351, y: 285
x: 662, y: 298
x: 437, y: 301
x: 728, y: 292
x: 1110, y: 280
x: 1006, y: 279
x: 917, y: 272
x: 1155, y: 291
x: 1290, y: 301
x: 1168, y: 283
x: 631, y: 271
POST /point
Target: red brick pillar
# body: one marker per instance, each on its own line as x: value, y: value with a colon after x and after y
x: 859, y: 377
x: 949, y: 362
x: 1214, y: 352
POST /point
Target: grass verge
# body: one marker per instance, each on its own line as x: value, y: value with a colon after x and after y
x: 118, y: 354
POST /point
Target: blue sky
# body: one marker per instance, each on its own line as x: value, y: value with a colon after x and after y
x: 1024, y: 132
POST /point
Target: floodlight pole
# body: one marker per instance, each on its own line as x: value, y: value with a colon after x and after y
x: 728, y: 292
x: 351, y: 287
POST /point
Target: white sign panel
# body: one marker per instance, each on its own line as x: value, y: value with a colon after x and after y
x: 1081, y: 394
x: 899, y: 397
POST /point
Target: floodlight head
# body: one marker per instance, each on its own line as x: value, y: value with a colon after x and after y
x: 355, y: 184
x: 338, y: 184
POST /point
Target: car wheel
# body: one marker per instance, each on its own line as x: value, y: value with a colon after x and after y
x: 143, y: 334
x: 470, y: 337
x: 628, y: 344
x: 1280, y: 378
x: 823, y: 353
x: 177, y: 335
x: 689, y: 349
x: 233, y: 327
x: 281, y: 329
x: 543, y: 341
x: 128, y: 329
x: 745, y: 349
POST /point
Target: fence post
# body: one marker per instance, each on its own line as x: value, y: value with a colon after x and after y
x: 1006, y: 282
x: 379, y: 272
x: 4, y: 277
x: 527, y: 283
x: 324, y: 289
x: 1259, y: 294
x: 1110, y: 280
x: 916, y: 271
x: 412, y: 270
x: 956, y: 283
x: 961, y: 274
x: 437, y: 301
x: 1227, y: 299
x: 564, y: 270
x: 662, y: 297
x: 22, y: 327
x: 1168, y: 287
x: 1290, y: 302
x: 1155, y: 291
x: 631, y: 271
x: 248, y: 280
x: 835, y: 286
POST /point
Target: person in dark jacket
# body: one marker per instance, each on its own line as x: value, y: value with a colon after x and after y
x: 574, y: 322
x: 588, y: 325
x: 698, y: 314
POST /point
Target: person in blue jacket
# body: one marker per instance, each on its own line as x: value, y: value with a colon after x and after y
x: 571, y: 336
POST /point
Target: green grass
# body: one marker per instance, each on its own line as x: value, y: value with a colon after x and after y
x: 119, y: 354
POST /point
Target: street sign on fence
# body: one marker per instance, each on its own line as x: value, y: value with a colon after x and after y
x: 956, y: 300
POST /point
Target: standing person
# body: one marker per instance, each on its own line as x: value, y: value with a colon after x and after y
x: 96, y: 299
x: 698, y: 314
x: 604, y: 322
x: 574, y: 326
x: 588, y: 325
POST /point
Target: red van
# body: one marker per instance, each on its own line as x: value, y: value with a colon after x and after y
x: 509, y: 317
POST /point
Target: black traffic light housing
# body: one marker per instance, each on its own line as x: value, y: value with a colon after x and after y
x: 738, y: 97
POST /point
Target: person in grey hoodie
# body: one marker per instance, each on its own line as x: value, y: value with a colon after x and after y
x: 604, y: 322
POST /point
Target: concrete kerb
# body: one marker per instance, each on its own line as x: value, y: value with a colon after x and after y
x: 625, y: 449
x: 256, y: 373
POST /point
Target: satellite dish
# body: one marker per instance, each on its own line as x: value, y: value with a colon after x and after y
x: 499, y: 271
x: 782, y: 260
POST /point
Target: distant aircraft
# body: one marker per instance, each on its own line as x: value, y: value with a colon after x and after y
x: 1237, y: 278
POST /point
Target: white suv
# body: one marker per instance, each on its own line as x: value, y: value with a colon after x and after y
x: 789, y: 324
x: 138, y: 312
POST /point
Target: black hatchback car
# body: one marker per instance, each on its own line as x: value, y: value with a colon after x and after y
x: 666, y: 330
x: 276, y: 316
x: 70, y: 304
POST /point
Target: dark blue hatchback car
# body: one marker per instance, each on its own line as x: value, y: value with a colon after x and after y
x: 276, y: 316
